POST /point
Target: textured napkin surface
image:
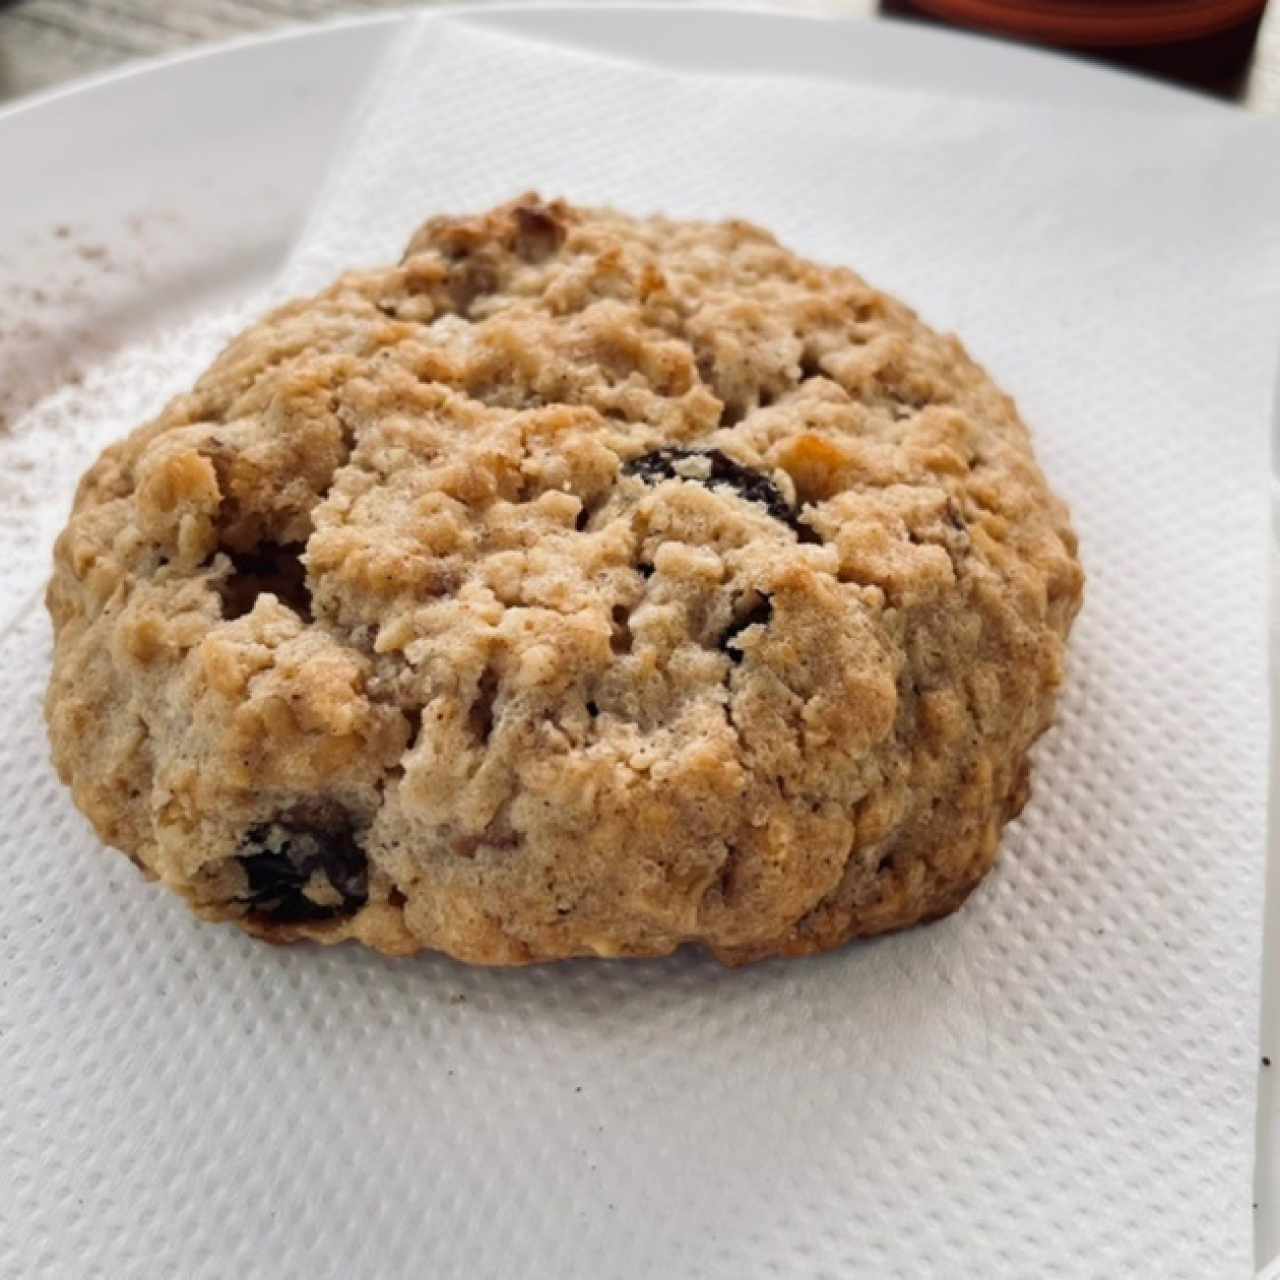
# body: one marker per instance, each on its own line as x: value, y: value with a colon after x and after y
x: 1056, y: 1082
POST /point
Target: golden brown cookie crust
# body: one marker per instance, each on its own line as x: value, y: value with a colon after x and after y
x: 581, y: 585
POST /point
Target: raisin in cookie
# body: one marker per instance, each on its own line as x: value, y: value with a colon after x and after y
x: 581, y: 585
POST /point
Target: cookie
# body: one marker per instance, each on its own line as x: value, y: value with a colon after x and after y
x: 581, y: 585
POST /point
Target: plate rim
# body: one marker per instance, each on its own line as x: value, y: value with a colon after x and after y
x: 26, y: 109
x: 490, y: 12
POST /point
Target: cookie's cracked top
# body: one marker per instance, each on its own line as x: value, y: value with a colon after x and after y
x: 583, y: 584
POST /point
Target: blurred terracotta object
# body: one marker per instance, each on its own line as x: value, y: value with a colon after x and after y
x: 1197, y: 39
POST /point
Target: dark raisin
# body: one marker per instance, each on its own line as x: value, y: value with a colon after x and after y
x: 280, y: 860
x: 723, y: 472
x: 758, y: 615
x: 272, y: 567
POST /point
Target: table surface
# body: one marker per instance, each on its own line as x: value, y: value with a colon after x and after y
x: 44, y: 43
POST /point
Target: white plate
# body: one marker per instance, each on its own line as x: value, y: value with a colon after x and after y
x: 134, y: 199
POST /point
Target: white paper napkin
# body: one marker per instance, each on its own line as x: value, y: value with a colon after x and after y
x: 1056, y: 1082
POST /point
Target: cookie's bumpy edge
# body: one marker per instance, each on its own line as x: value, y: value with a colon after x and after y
x: 580, y: 585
